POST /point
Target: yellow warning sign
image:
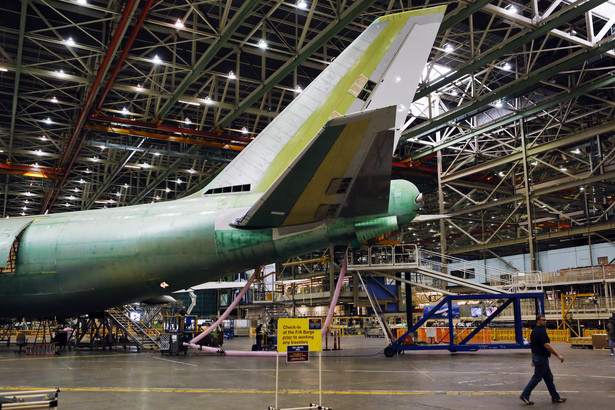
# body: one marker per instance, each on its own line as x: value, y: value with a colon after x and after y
x: 293, y: 332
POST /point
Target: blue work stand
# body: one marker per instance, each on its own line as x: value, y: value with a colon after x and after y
x: 509, y: 298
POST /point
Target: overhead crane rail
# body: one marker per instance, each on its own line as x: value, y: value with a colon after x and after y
x: 411, y: 258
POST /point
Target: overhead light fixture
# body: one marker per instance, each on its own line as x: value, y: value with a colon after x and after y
x: 302, y: 4
x: 61, y: 74
x: 454, y: 93
x: 244, y: 130
x: 189, y: 102
x: 139, y: 88
x: 82, y: 1
x: 118, y: 194
x: 167, y: 190
x: 448, y: 48
x: 262, y: 44
x: 157, y: 198
x: 187, y: 121
x: 179, y: 24
x: 507, y: 67
x: 576, y: 151
x: 54, y: 99
x: 179, y: 181
x: 81, y: 181
x: 298, y: 89
x: 125, y: 111
x: 4, y: 70
x: 231, y: 75
x: 191, y: 170
x: 512, y: 9
x: 157, y: 60
x: 69, y: 42
x: 499, y: 104
x: 38, y: 152
x: 126, y: 186
x: 48, y: 120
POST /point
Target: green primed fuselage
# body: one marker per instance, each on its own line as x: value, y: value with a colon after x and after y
x: 86, y: 261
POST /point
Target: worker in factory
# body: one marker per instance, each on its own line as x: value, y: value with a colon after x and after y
x: 541, y: 351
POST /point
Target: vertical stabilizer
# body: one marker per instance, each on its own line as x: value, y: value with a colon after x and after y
x: 380, y: 68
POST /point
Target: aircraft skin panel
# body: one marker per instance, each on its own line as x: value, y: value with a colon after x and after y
x: 329, y: 94
x: 9, y: 230
x: 369, y: 192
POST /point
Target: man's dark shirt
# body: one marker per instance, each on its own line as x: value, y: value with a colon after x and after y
x: 538, y: 338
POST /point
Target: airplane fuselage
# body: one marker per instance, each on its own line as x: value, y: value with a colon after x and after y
x: 91, y: 260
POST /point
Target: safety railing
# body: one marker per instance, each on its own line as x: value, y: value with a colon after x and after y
x: 411, y: 256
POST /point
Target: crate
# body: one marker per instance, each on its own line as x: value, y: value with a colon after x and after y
x: 581, y: 342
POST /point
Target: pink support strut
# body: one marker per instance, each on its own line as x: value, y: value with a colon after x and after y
x: 226, y: 312
x: 193, y: 343
x: 338, y: 289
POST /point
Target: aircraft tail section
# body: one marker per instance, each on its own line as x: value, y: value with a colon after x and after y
x: 344, y: 171
x: 381, y: 68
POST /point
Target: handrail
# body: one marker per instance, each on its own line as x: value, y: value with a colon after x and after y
x: 410, y: 255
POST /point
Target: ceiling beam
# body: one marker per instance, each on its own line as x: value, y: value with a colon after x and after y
x: 322, y: 38
x: 529, y: 34
x: 239, y: 17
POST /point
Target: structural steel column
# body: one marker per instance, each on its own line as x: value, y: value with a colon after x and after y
x: 528, y: 202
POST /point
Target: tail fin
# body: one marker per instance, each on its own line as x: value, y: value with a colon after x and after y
x: 380, y: 68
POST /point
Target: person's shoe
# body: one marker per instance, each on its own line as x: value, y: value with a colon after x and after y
x: 560, y: 400
x: 611, y: 354
x: 526, y: 401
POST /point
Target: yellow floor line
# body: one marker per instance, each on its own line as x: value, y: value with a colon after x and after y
x: 250, y: 391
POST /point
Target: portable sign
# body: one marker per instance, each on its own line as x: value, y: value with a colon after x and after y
x: 298, y: 353
x: 296, y: 332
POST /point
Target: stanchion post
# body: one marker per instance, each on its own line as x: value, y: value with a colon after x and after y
x: 277, y: 357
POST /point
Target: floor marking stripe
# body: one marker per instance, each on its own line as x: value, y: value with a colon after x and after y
x: 251, y: 391
x: 176, y: 361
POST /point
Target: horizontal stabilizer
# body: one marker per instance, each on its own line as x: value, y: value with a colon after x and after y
x: 344, y: 171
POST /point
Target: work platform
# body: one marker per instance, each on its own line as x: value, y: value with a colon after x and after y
x: 436, y: 272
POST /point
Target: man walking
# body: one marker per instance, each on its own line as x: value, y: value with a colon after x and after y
x: 541, y: 350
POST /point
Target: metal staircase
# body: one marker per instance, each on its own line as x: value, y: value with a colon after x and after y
x: 276, y: 310
x: 143, y: 337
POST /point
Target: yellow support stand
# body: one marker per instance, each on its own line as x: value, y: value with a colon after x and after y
x: 565, y: 311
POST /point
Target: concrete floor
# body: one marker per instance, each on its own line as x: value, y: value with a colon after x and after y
x: 357, y: 377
